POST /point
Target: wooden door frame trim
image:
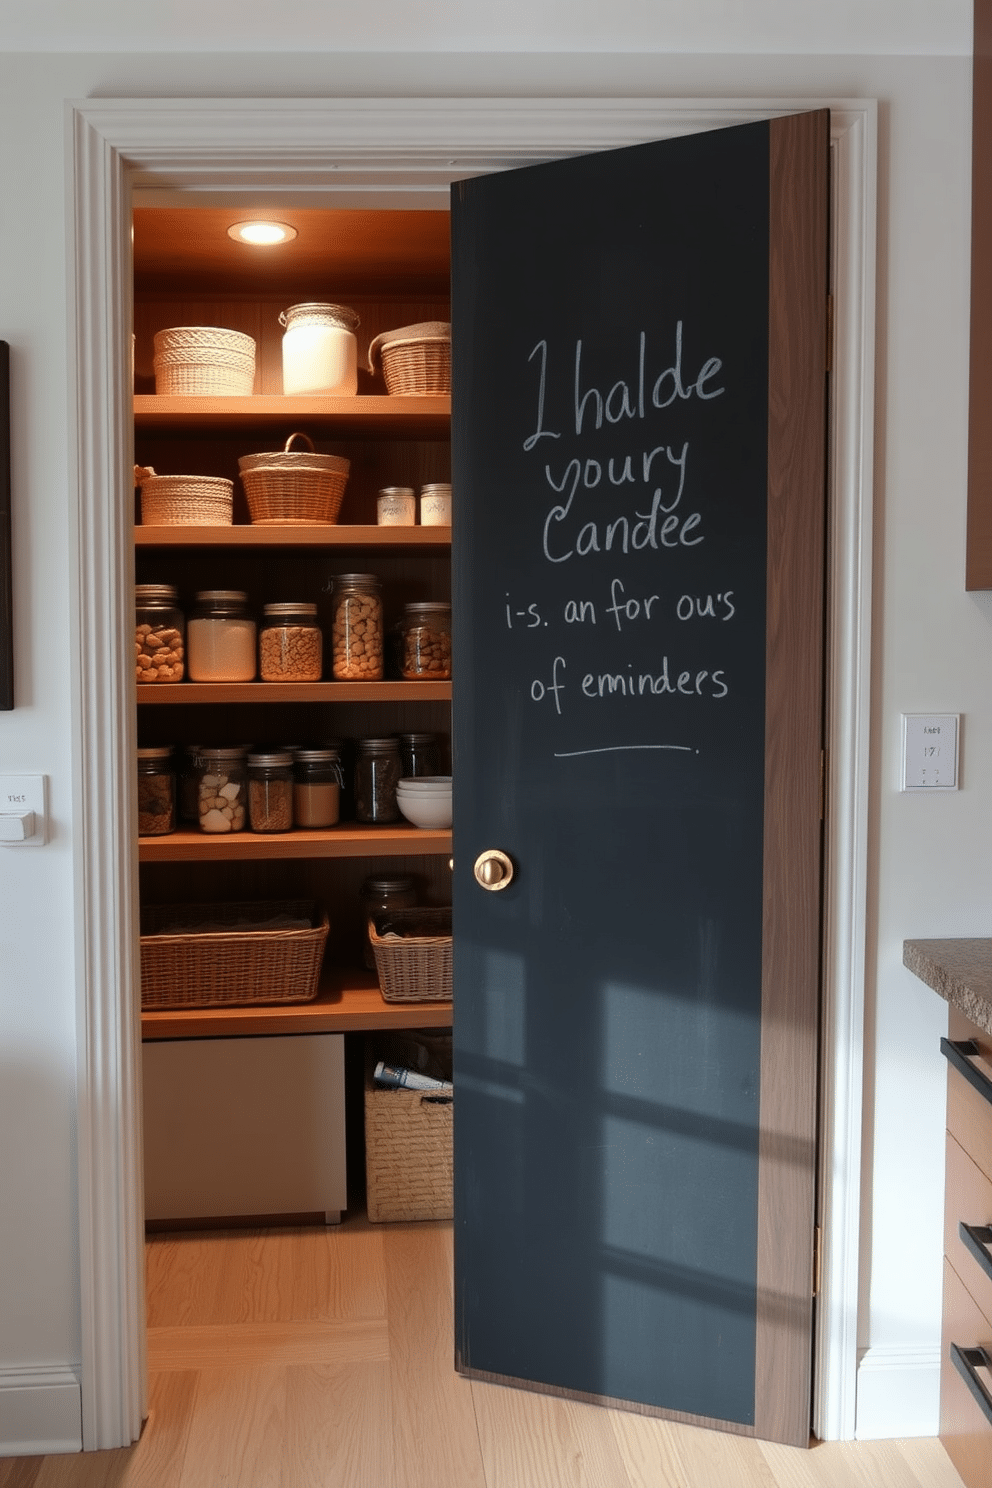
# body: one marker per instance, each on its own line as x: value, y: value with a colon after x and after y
x: 364, y: 149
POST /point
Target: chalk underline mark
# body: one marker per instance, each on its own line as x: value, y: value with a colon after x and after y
x: 620, y: 748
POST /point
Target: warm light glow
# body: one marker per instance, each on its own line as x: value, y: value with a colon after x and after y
x: 261, y: 234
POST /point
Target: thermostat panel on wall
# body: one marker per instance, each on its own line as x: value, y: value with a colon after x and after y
x: 930, y: 751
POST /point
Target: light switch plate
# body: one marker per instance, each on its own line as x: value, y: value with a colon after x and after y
x: 930, y: 751
x: 20, y: 793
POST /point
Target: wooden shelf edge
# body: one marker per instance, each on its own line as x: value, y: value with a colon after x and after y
x: 388, y: 415
x: 322, y: 536
x: 349, y: 841
x: 293, y: 692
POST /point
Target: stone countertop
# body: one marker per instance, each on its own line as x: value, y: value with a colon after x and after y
x: 959, y: 970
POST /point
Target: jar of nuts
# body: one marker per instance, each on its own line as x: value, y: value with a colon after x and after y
x: 270, y: 791
x: 357, y: 628
x: 159, y: 637
x: 378, y: 769
x: 424, y: 641
x: 156, y: 792
x: 290, y: 644
x: 221, y: 790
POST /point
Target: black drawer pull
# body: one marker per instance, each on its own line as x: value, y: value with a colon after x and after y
x: 975, y: 1238
x: 967, y: 1362
x: 958, y: 1052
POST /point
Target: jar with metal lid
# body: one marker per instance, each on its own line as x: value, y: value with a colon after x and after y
x: 320, y: 350
x: 156, y: 792
x: 270, y: 791
x: 159, y: 635
x: 221, y: 790
x: 290, y: 646
x: 378, y: 769
x: 396, y: 507
x: 379, y: 894
x: 317, y: 788
x: 435, y: 504
x: 221, y: 637
x: 424, y: 641
x: 356, y: 628
x: 420, y: 754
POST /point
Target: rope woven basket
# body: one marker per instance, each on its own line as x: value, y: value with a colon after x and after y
x: 413, y: 967
x: 204, y: 361
x: 407, y: 1153
x: 184, y: 500
x: 288, y: 487
x: 235, y: 960
x: 416, y: 359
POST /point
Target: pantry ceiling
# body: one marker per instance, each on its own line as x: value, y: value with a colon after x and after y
x: 334, y: 253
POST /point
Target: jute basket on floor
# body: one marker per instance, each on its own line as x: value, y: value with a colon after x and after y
x: 184, y: 500
x: 288, y: 487
x: 204, y: 361
x: 407, y: 1153
x: 416, y: 359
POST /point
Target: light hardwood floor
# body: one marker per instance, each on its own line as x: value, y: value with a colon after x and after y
x: 313, y: 1358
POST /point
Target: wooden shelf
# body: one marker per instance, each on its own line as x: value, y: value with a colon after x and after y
x: 348, y: 841
x: 400, y: 418
x: 292, y: 537
x: 294, y: 692
x: 349, y: 1000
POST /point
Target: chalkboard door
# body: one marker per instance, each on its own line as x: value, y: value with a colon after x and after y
x: 639, y: 448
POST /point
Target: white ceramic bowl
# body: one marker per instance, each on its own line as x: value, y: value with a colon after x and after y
x: 426, y: 784
x: 426, y: 811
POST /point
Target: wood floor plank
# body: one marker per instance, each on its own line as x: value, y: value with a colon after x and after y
x: 930, y: 1463
x: 528, y: 1439
x: 338, y: 1427
x: 20, y: 1472
x: 875, y: 1464
x: 277, y: 1344
x: 237, y: 1432
x: 660, y: 1453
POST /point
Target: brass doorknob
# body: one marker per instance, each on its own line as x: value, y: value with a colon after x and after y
x: 493, y: 869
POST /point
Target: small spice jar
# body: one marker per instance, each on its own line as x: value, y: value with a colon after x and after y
x: 424, y: 641
x: 396, y: 507
x: 356, y: 628
x: 159, y: 634
x: 290, y: 646
x: 380, y: 894
x: 221, y: 636
x: 270, y: 791
x: 156, y: 792
x: 320, y: 350
x: 378, y: 770
x: 435, y: 504
x: 420, y: 754
x: 221, y: 790
x: 317, y: 788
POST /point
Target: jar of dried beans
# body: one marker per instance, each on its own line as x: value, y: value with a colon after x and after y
x: 357, y: 628
x: 270, y: 792
x: 159, y: 637
x: 221, y: 790
x: 290, y: 646
x: 424, y: 641
x: 156, y: 792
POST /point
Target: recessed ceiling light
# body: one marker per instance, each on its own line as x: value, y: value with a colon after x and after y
x: 261, y: 234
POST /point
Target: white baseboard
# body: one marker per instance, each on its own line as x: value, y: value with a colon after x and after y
x: 898, y: 1392
x: 40, y: 1411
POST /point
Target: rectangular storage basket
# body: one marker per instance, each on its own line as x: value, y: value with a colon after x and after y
x: 244, y: 964
x: 413, y: 967
x: 407, y: 1153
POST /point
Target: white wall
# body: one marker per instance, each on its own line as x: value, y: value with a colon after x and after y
x: 930, y: 868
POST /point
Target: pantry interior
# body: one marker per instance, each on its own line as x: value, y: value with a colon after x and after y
x: 253, y: 1114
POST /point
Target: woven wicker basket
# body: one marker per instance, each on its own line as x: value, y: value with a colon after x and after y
x: 204, y: 361
x: 416, y: 359
x: 184, y: 500
x: 218, y: 967
x: 413, y: 967
x: 293, y: 488
x: 407, y: 1153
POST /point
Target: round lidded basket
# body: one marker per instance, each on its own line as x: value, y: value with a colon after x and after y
x: 416, y: 359
x: 204, y: 361
x: 184, y: 500
x: 294, y: 488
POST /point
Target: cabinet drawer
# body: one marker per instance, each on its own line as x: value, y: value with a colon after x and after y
x: 969, y: 1114
x: 965, y: 1430
x: 968, y: 1200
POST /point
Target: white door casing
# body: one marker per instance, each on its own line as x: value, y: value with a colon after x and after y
x: 400, y: 152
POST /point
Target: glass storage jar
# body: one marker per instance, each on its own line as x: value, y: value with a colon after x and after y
x: 378, y: 769
x: 420, y: 754
x: 317, y: 788
x: 396, y: 507
x: 156, y: 792
x: 435, y: 504
x: 221, y: 636
x: 320, y: 350
x: 221, y: 790
x: 424, y: 641
x: 379, y: 894
x: 159, y: 635
x: 270, y: 791
x: 357, y: 628
x: 290, y: 646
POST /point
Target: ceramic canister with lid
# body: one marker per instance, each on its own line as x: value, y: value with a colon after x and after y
x: 320, y: 350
